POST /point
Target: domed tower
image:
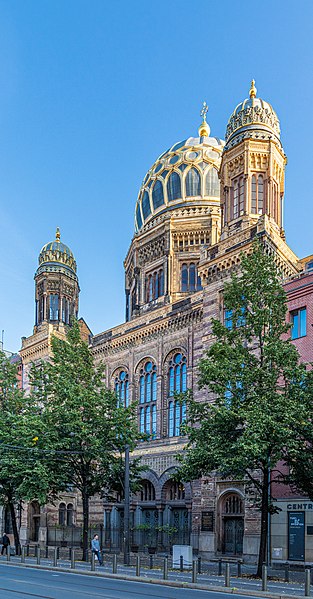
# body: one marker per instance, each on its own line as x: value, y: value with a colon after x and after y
x: 253, y: 166
x: 177, y: 212
x: 57, y: 287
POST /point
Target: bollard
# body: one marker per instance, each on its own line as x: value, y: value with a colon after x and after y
x: 27, y: 550
x: 137, y: 565
x: 199, y: 564
x: 307, y: 586
x: 93, y: 562
x: 194, y: 570
x: 165, y: 568
x: 8, y: 553
x: 23, y: 555
x: 47, y: 551
x: 58, y: 552
x: 287, y: 572
x: 114, y: 564
x: 264, y: 577
x: 55, y: 557
x: 227, y: 575
x: 38, y: 557
x: 73, y: 559
x: 151, y: 561
x: 239, y: 564
x: 181, y: 563
x: 219, y: 567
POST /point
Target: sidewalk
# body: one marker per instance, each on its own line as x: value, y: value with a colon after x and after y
x: 208, y: 579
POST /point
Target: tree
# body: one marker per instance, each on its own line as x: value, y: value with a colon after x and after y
x: 256, y: 388
x: 23, y: 475
x: 83, y: 419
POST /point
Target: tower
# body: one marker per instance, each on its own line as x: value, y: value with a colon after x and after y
x: 56, y: 302
x: 253, y: 166
x: 57, y: 288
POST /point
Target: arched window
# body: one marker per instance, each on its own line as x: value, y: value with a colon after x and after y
x: 174, y: 491
x: 212, y: 184
x: 138, y: 217
x: 260, y: 194
x: 173, y: 187
x: 241, y: 195
x: 54, y: 307
x: 257, y: 194
x: 62, y: 514
x: 147, y: 399
x: 69, y: 514
x: 190, y: 280
x: 193, y: 183
x: 146, y: 208
x: 177, y: 383
x: 66, y: 310
x: 236, y: 200
x: 121, y: 387
x: 147, y: 492
x: 155, y: 285
x: 232, y: 505
x: 157, y: 195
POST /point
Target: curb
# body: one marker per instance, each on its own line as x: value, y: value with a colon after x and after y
x: 168, y: 583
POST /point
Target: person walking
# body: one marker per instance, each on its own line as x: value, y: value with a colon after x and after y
x: 95, y: 548
x: 5, y: 544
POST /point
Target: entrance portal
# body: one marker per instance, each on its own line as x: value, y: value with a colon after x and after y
x: 232, y: 525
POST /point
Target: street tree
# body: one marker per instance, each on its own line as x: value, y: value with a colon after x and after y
x: 23, y: 475
x: 255, y: 385
x: 83, y: 419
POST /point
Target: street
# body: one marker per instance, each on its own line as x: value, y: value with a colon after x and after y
x: 22, y: 583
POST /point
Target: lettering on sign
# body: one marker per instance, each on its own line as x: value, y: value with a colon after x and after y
x: 300, y: 506
x: 207, y: 521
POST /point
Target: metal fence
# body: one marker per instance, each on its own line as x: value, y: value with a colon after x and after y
x: 112, y: 540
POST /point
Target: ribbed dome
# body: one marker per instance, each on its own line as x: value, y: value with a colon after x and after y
x: 55, y: 256
x: 187, y: 173
x: 252, y: 118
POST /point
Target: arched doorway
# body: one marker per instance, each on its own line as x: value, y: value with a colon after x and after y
x: 34, y: 521
x: 177, y: 514
x: 232, y: 524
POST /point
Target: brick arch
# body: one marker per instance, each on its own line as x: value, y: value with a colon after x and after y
x: 167, y: 476
x: 153, y: 478
x: 170, y: 354
x: 141, y: 362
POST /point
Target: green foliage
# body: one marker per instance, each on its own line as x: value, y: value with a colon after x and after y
x: 83, y: 420
x: 23, y: 476
x: 255, y: 387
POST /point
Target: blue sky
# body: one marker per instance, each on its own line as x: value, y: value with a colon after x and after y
x: 91, y: 92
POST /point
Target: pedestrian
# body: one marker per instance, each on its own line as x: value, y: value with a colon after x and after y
x: 95, y: 548
x: 5, y: 544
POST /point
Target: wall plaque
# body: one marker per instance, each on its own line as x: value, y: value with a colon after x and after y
x: 207, y: 521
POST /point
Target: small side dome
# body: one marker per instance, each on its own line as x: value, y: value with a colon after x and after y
x: 252, y: 118
x: 55, y: 256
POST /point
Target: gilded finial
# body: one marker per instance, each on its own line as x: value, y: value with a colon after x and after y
x: 57, y: 234
x: 253, y: 89
x: 204, y: 129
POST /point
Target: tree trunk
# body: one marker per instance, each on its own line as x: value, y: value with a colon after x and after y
x: 14, y: 526
x: 85, y: 498
x: 264, y: 522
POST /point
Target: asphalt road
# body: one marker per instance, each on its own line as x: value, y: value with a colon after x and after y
x: 25, y: 583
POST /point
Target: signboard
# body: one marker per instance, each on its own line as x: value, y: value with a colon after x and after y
x: 207, y: 521
x: 296, y: 532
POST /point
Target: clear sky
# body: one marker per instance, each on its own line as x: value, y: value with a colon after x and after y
x: 92, y: 91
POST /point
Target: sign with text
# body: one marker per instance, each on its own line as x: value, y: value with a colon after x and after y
x: 207, y: 521
x: 296, y: 533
